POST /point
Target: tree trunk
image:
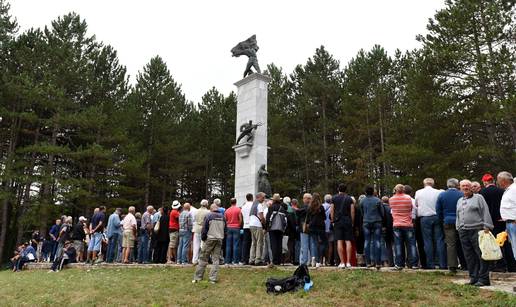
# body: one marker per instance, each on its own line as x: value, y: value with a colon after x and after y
x: 382, y: 144
x: 46, y: 187
x: 26, y: 192
x: 370, y: 145
x: 13, y: 140
x: 483, y: 86
x: 305, y: 155
x: 148, y: 170
x: 325, y: 146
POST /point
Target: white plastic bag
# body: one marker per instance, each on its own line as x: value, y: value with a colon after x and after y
x: 488, y: 246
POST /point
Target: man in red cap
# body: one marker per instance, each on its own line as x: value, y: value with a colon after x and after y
x: 493, y: 196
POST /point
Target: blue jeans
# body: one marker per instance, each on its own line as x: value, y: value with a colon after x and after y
x: 402, y: 236
x: 304, y: 248
x: 433, y: 233
x: 511, y: 231
x: 233, y: 245
x: 185, y: 237
x: 112, y: 249
x: 372, y: 243
x: 143, y: 247
x: 314, y: 247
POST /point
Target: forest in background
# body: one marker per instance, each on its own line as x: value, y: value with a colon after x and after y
x: 75, y: 134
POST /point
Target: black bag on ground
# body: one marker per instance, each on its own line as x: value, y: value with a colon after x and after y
x: 288, y: 284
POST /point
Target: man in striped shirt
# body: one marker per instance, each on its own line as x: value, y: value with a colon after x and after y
x: 401, y: 209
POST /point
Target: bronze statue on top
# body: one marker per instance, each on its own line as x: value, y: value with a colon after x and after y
x: 249, y: 47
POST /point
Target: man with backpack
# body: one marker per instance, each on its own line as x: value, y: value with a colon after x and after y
x: 276, y: 224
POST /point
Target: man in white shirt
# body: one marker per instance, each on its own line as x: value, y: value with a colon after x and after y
x: 255, y: 226
x: 198, y: 224
x: 508, y: 206
x: 129, y: 235
x: 246, y: 240
x: 431, y: 228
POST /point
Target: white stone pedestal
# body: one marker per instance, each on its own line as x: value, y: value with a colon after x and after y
x: 251, y: 106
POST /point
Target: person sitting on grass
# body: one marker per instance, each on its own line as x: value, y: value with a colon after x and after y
x: 26, y: 253
x: 212, y: 235
x: 69, y: 256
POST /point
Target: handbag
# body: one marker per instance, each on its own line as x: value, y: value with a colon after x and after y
x: 156, y: 227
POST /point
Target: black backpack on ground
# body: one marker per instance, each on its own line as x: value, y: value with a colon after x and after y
x: 288, y: 284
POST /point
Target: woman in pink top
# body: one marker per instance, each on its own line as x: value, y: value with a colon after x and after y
x: 401, y: 209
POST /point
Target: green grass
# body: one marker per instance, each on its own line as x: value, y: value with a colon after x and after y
x: 237, y: 287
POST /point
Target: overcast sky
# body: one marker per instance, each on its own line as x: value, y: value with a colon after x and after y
x: 194, y: 37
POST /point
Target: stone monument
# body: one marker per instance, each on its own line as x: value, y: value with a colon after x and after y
x: 251, y: 125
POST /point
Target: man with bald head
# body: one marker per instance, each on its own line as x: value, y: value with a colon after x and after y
x: 129, y: 234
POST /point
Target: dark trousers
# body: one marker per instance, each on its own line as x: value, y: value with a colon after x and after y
x: 291, y: 245
x: 18, y: 265
x: 246, y: 245
x: 276, y: 240
x: 160, y: 252
x: 433, y: 238
x: 420, y: 242
x: 53, y: 249
x: 59, y: 263
x: 477, y: 267
x: 112, y: 249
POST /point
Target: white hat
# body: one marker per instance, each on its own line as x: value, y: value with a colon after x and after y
x: 82, y: 219
x: 176, y: 204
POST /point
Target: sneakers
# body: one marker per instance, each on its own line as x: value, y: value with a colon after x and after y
x: 397, y: 268
x: 481, y: 284
x: 317, y: 265
x: 342, y: 266
x: 195, y: 281
x: 212, y: 282
x: 348, y: 265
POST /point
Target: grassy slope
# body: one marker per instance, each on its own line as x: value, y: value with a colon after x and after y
x: 172, y: 286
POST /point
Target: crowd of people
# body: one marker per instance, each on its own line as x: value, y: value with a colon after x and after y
x: 429, y: 229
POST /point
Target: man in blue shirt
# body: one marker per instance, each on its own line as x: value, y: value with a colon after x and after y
x: 96, y: 230
x: 446, y: 209
x: 114, y: 234
x: 27, y: 254
x: 54, y: 234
